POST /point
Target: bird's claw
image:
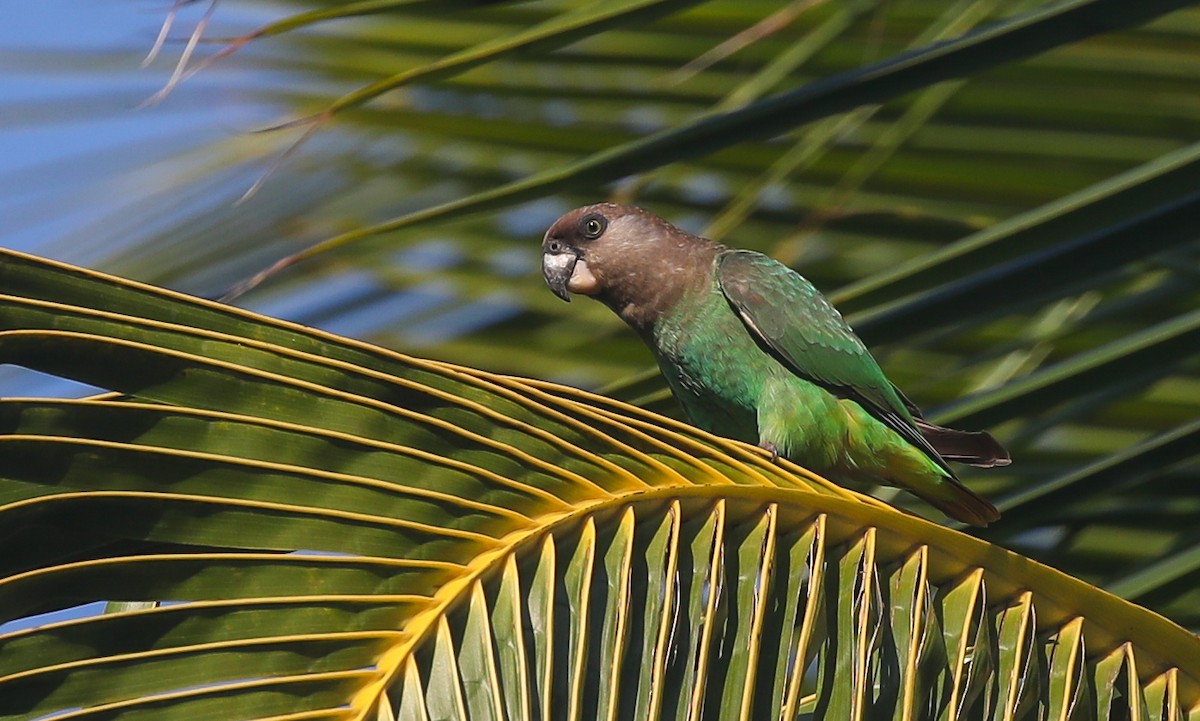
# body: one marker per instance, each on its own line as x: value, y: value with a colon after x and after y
x: 770, y: 447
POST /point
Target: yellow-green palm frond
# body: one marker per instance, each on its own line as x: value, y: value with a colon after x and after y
x: 330, y: 530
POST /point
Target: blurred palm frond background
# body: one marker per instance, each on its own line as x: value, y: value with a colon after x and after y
x: 1019, y: 246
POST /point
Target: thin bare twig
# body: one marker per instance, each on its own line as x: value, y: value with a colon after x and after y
x: 185, y: 57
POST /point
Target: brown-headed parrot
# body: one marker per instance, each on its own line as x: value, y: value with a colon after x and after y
x: 753, y: 351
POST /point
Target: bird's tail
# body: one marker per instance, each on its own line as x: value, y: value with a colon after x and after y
x: 976, y: 448
x: 911, y: 468
x: 960, y: 503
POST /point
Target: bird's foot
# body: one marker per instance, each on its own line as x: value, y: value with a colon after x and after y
x: 771, y: 448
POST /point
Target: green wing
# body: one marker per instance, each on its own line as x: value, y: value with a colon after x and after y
x: 790, y: 318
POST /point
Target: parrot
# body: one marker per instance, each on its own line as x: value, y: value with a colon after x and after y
x: 752, y: 351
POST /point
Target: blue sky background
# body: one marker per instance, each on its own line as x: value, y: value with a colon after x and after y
x: 70, y: 126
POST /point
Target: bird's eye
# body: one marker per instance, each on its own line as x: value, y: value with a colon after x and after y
x: 593, y: 226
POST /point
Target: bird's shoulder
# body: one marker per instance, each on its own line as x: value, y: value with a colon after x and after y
x: 782, y: 305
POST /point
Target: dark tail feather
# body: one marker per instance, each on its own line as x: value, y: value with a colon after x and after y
x: 961, y: 503
x: 976, y: 448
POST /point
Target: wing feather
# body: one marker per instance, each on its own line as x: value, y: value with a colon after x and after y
x: 790, y: 319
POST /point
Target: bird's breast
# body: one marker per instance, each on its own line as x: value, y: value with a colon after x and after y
x: 713, y: 366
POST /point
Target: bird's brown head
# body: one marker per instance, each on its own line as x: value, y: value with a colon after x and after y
x: 631, y: 260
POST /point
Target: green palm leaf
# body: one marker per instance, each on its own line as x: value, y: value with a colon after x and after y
x: 338, y: 529
x: 1017, y: 38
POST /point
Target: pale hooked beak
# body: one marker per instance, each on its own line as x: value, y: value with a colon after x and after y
x: 557, y: 269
